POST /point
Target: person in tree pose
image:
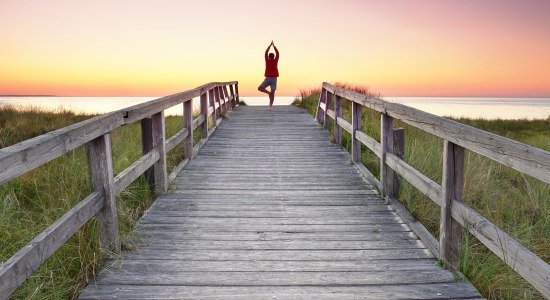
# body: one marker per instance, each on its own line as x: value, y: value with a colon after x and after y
x: 271, y: 73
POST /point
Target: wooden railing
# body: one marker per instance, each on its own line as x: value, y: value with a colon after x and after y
x: 16, y: 160
x: 455, y: 214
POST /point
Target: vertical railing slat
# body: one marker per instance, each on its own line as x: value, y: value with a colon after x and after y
x: 337, y: 113
x: 102, y: 176
x: 386, y: 141
x: 204, y: 112
x: 450, y: 232
x: 355, y: 125
x: 328, y: 99
x: 188, y: 123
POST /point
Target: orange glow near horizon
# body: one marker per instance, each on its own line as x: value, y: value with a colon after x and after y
x: 397, y: 48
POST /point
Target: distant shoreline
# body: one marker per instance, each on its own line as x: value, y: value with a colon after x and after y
x: 29, y: 96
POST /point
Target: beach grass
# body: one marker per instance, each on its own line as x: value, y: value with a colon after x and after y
x: 32, y: 202
x: 516, y: 203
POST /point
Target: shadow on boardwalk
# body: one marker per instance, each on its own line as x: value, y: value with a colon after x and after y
x: 269, y: 209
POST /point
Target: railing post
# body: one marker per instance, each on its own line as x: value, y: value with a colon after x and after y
x: 386, y: 141
x: 204, y: 112
x: 399, y: 151
x: 237, y: 93
x: 188, y: 123
x: 328, y: 99
x: 337, y: 113
x: 212, y: 101
x: 217, y: 99
x: 233, y: 100
x: 319, y: 116
x: 355, y: 125
x: 102, y: 175
x: 153, y: 139
x: 227, y: 100
x: 450, y: 231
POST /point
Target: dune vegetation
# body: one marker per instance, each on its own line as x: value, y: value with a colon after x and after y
x: 516, y: 203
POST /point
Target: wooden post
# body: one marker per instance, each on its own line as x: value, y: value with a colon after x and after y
x: 450, y: 231
x: 386, y: 141
x: 399, y: 151
x: 233, y: 100
x: 319, y: 116
x: 102, y: 175
x: 237, y: 93
x: 337, y: 113
x: 228, y: 105
x: 212, y: 103
x: 188, y: 123
x: 153, y: 139
x: 328, y: 99
x: 221, y: 99
x: 217, y: 100
x: 355, y: 125
x: 204, y: 112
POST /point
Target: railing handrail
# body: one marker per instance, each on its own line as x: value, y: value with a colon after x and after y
x: 455, y: 214
x: 18, y: 159
x: 524, y: 158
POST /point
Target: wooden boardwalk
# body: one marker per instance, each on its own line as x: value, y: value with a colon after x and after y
x: 269, y: 209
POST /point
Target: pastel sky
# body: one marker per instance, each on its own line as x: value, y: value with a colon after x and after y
x: 396, y: 47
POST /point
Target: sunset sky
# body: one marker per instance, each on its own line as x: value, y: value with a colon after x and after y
x: 154, y: 48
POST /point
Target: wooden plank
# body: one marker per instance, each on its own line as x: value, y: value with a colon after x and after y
x: 368, y: 292
x: 321, y: 106
x: 370, y: 177
x: 212, y: 101
x: 450, y: 232
x: 198, y: 121
x: 157, y: 138
x: 205, y: 112
x: 177, y: 138
x: 279, y: 278
x: 228, y: 104
x: 130, y: 174
x: 524, y: 158
x: 531, y: 267
x: 399, y: 151
x: 344, y: 124
x: 237, y: 92
x: 22, y: 264
x: 420, y: 181
x: 355, y: 127
x: 330, y: 113
x: 188, y: 124
x: 177, y: 170
x: 233, y: 98
x: 328, y: 99
x: 424, y: 234
x: 369, y: 142
x: 386, y: 146
x: 337, y: 130
x: 100, y: 160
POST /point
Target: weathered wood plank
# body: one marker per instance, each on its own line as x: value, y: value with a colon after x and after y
x: 20, y: 266
x: 524, y: 158
x: 100, y: 160
x: 130, y: 174
x: 157, y: 139
x: 410, y: 291
x: 188, y: 124
x: 344, y: 124
x: 369, y: 142
x: 177, y: 138
x: 526, y: 263
x: 386, y: 146
x: 205, y: 112
x: 450, y: 232
x: 420, y: 181
x: 355, y: 127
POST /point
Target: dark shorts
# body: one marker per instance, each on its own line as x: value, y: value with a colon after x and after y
x: 269, y: 81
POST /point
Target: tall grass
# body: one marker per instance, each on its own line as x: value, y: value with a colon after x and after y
x: 516, y: 203
x: 32, y: 202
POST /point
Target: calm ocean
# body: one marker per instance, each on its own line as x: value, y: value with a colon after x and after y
x: 489, y: 108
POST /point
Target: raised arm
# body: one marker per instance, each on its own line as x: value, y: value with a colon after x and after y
x: 276, y: 52
x: 267, y: 51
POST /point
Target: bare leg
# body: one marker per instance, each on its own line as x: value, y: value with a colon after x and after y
x: 271, y: 98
